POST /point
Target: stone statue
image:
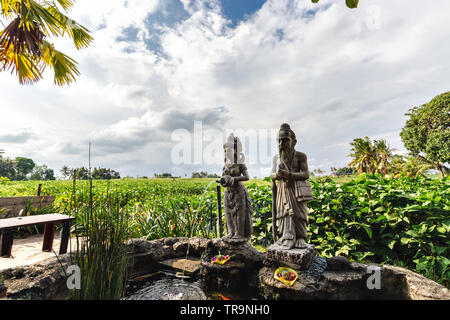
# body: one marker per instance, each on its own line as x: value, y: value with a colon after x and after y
x: 290, y: 169
x: 237, y: 205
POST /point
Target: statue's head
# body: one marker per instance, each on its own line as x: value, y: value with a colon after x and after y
x: 286, y: 137
x: 233, y: 150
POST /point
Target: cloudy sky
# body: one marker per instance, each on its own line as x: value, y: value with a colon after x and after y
x: 158, y: 66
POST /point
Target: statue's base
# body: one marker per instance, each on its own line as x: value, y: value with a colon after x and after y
x: 234, y: 241
x: 239, y: 274
x: 296, y: 258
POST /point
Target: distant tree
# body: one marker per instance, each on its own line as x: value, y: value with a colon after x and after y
x: 42, y: 173
x: 370, y: 157
x: 383, y: 155
x: 362, y: 154
x: 345, y: 171
x: 203, y: 175
x: 80, y: 173
x: 427, y: 132
x: 105, y: 174
x: 65, y: 172
x: 24, y: 166
x: 414, y: 167
x: 8, y: 168
x: 317, y: 172
x: 163, y: 175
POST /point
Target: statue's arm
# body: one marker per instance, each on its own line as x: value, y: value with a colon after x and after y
x: 244, y: 174
x: 303, y: 174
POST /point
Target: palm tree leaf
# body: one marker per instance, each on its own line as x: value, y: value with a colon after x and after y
x: 23, y: 48
x: 34, y: 12
x: 10, y: 8
x: 66, y: 4
x: 79, y: 34
x: 22, y: 38
x: 65, y: 68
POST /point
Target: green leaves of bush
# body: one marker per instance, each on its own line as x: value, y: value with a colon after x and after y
x: 403, y: 221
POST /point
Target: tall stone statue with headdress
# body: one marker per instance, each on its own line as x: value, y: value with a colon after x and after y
x: 237, y: 205
x: 290, y: 169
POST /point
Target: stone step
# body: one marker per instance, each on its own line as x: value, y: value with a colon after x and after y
x: 296, y: 258
x: 190, y: 265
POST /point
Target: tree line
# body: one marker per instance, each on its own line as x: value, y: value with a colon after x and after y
x: 82, y: 173
x: 426, y: 135
x: 22, y: 168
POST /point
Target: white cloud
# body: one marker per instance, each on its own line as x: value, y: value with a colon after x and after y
x: 322, y: 68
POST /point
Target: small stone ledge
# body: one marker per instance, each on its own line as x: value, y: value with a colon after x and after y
x: 296, y: 258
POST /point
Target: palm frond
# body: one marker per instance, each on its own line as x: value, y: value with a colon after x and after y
x: 31, y: 11
x: 79, y: 34
x: 65, y: 67
x: 66, y: 4
x: 23, y: 46
x: 22, y: 38
x: 10, y: 8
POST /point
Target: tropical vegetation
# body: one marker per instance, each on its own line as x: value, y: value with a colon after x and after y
x: 402, y: 221
x: 25, y: 47
x: 427, y: 132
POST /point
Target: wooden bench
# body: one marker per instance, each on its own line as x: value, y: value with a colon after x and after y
x: 7, y: 227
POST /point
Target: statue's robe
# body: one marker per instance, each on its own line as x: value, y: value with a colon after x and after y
x: 292, y: 215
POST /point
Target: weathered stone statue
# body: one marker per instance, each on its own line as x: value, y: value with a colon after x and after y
x: 290, y: 169
x: 237, y: 205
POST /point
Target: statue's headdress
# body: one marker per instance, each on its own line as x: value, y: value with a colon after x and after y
x: 287, y: 127
x: 235, y: 144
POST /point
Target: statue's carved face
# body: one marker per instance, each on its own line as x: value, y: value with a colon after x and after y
x: 229, y: 153
x: 285, y: 140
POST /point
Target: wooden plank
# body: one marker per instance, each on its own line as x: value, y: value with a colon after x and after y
x: 14, y: 205
x: 12, y: 201
x: 33, y: 220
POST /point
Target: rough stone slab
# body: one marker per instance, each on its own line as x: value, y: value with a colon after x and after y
x: 189, y: 265
x: 43, y: 281
x: 234, y: 241
x: 240, y: 274
x: 295, y: 258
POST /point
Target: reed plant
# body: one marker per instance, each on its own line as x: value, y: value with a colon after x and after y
x: 101, y: 229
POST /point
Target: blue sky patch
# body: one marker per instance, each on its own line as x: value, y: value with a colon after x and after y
x: 239, y: 10
x: 170, y: 14
x: 129, y: 34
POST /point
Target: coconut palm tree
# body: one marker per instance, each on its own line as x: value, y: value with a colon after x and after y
x: 383, y: 155
x: 24, y: 43
x: 65, y: 172
x: 415, y: 166
x: 363, y: 156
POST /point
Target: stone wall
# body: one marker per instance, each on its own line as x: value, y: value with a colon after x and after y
x: 334, y: 278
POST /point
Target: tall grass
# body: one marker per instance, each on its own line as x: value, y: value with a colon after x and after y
x: 101, y: 229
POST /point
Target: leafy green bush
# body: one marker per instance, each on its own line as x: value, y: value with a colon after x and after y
x: 401, y: 221
x: 404, y: 221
